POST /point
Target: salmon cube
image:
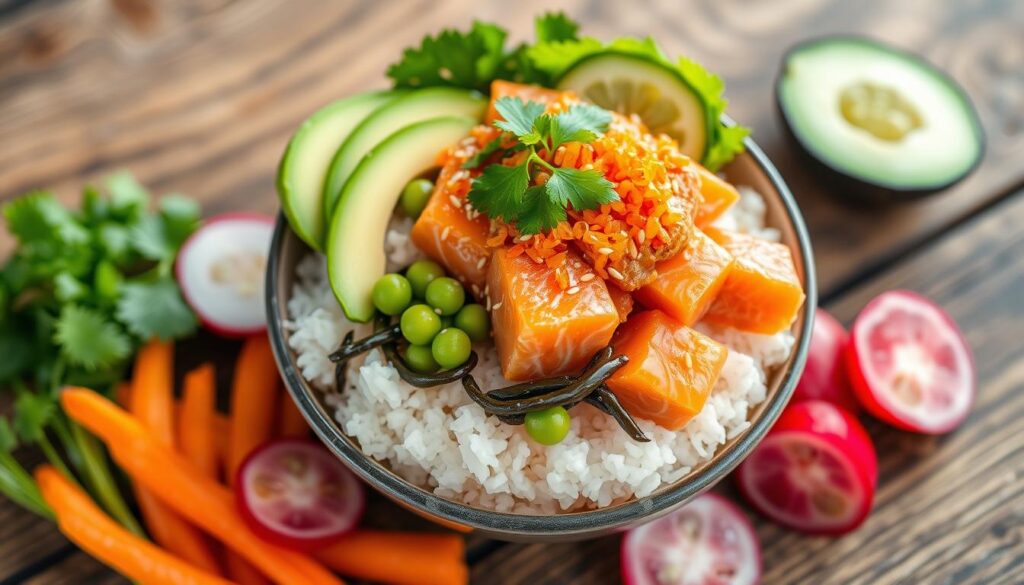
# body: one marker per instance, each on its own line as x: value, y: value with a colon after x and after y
x: 445, y: 232
x: 718, y: 197
x: 622, y: 300
x: 762, y: 293
x: 528, y: 93
x: 671, y: 370
x: 688, y: 283
x: 539, y: 329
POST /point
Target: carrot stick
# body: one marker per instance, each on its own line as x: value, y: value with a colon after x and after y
x: 153, y: 404
x: 94, y: 532
x: 182, y: 487
x: 254, y: 400
x: 195, y: 422
x: 290, y: 423
x: 399, y: 558
x: 242, y: 572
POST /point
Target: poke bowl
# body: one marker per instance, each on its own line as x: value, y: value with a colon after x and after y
x: 676, y: 302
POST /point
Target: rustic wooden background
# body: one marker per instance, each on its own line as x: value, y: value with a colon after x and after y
x: 200, y: 97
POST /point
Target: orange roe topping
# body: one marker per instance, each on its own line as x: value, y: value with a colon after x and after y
x: 658, y: 188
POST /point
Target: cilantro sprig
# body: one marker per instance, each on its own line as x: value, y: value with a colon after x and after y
x: 81, y: 291
x: 505, y: 192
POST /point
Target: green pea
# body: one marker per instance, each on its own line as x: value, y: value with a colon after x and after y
x: 446, y: 294
x: 415, y: 197
x: 473, y: 319
x: 421, y: 359
x: 421, y: 273
x: 451, y: 348
x: 392, y: 293
x: 549, y: 426
x: 419, y: 324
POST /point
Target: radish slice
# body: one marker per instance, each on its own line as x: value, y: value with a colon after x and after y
x: 824, y: 376
x: 294, y: 493
x: 708, y: 541
x: 221, y: 269
x: 815, y: 471
x: 910, y: 365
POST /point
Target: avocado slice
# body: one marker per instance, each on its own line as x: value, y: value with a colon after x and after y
x: 883, y: 123
x: 303, y: 168
x: 355, y: 252
x: 416, y: 106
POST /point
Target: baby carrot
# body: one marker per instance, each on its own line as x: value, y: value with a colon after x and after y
x: 182, y: 487
x: 254, y: 400
x: 94, y: 532
x: 195, y: 421
x: 152, y: 401
x: 290, y: 424
x: 399, y: 558
x: 242, y: 572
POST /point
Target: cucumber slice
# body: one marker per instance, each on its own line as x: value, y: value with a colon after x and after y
x: 413, y: 107
x: 634, y: 84
x: 355, y: 242
x: 303, y: 168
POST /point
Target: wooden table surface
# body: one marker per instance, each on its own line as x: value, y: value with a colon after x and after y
x: 201, y: 96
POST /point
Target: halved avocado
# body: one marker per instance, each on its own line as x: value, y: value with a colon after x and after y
x: 635, y: 84
x: 303, y: 168
x: 355, y: 242
x: 884, y: 124
x: 413, y: 107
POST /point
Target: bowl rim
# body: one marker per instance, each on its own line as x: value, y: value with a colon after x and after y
x: 579, y: 524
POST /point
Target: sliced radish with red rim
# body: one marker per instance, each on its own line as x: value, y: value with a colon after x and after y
x: 910, y: 365
x: 221, y: 271
x: 708, y: 541
x: 296, y: 494
x: 815, y: 471
x: 824, y: 376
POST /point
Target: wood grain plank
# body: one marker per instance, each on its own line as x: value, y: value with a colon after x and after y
x: 948, y: 509
x: 77, y: 568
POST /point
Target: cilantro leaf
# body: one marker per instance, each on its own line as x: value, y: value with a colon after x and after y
x: 67, y: 288
x: 114, y: 241
x: 8, y: 438
x: 484, y: 153
x: 580, y: 123
x: 540, y: 213
x: 128, y: 199
x: 452, y: 58
x: 498, y: 191
x: 555, y: 26
x: 17, y: 348
x: 32, y: 412
x: 39, y: 219
x: 518, y: 115
x: 583, y: 189
x: 155, y: 309
x: 181, y: 217
x: 86, y: 338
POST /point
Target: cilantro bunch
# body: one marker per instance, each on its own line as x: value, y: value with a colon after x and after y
x: 81, y: 291
x: 474, y: 59
x: 505, y: 192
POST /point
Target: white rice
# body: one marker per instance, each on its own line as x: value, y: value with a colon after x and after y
x: 437, y: 438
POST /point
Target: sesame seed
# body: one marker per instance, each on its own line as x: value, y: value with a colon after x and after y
x: 496, y: 306
x: 573, y: 290
x: 689, y: 360
x: 480, y: 263
x: 526, y: 238
x: 444, y: 233
x: 605, y: 250
x: 438, y: 311
x: 488, y: 308
x: 463, y: 239
x: 615, y: 274
x: 587, y: 277
x: 455, y: 200
x: 476, y: 290
x: 641, y: 236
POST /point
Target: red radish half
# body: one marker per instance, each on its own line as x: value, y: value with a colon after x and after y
x: 824, y: 376
x: 815, y: 471
x: 707, y: 541
x: 221, y: 270
x: 909, y: 364
x: 296, y: 494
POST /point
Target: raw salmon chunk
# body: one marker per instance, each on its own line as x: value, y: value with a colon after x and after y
x: 762, y: 293
x: 671, y: 370
x: 718, y: 196
x: 622, y: 300
x: 539, y: 329
x: 688, y: 283
x: 445, y: 232
x: 528, y: 93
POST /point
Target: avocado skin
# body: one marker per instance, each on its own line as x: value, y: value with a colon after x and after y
x: 856, y: 189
